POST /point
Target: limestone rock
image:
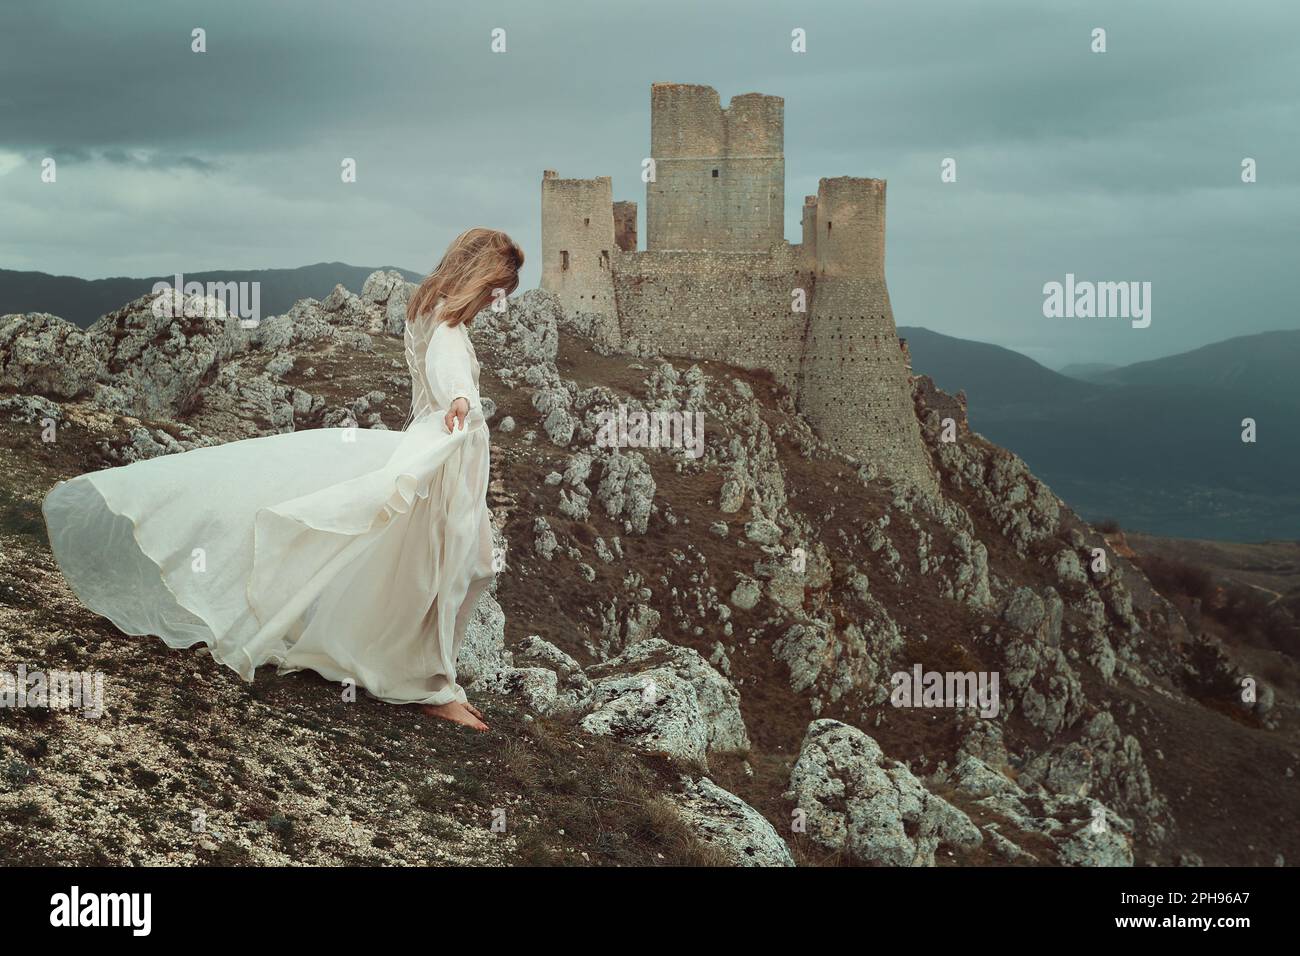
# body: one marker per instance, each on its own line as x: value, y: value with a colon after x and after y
x: 42, y: 353
x: 627, y: 490
x: 725, y: 822
x: 483, y: 654
x: 857, y: 802
x: 666, y: 698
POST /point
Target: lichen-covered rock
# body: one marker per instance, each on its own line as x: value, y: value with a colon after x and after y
x: 763, y: 531
x: 1070, y: 569
x: 627, y: 490
x: 746, y: 593
x: 970, y: 582
x: 666, y: 698
x: 30, y: 409
x: 855, y: 801
x: 522, y: 337
x: 545, y: 544
x: 1105, y: 761
x: 483, y: 655
x: 723, y: 821
x: 159, y: 361
x: 42, y: 353
x: 805, y: 649
x: 554, y: 404
x: 387, y: 293
x: 1051, y: 696
x: 1082, y: 830
x: 569, y: 690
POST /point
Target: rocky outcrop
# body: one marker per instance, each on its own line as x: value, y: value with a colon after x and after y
x: 856, y: 802
x: 44, y: 354
x: 663, y: 698
x: 389, y: 290
x: 777, y: 570
x: 729, y: 825
x: 1083, y: 831
x: 159, y: 361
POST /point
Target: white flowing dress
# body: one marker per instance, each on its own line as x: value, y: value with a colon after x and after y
x: 356, y: 553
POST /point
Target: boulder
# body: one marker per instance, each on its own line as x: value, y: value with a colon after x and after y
x: 667, y: 699
x: 856, y: 802
x: 41, y: 353
x: 741, y: 834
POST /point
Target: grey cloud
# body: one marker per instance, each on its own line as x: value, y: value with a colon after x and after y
x: 1123, y: 165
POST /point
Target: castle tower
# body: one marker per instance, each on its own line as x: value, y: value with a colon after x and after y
x: 854, y: 385
x: 578, y: 242
x: 809, y: 245
x: 625, y: 225
x: 719, y: 173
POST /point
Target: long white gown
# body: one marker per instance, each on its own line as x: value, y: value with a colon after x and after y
x: 355, y: 553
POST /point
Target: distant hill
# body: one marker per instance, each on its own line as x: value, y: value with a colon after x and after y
x: 1156, y: 445
x: 1088, y: 371
x: 1264, y: 365
x: 997, y: 381
x: 82, y: 301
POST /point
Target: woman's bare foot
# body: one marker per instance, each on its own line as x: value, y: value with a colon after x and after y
x: 457, y: 713
x: 474, y: 710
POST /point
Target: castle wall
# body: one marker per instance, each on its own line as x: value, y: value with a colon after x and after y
x: 722, y: 306
x: 578, y: 242
x: 625, y: 225
x: 719, y: 173
x: 809, y: 244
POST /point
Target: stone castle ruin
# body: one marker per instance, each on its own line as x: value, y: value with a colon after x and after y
x: 719, y: 281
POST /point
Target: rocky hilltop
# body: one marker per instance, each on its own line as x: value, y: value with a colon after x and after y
x: 684, y: 660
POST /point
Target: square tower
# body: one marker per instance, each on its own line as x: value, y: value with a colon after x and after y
x: 719, y: 173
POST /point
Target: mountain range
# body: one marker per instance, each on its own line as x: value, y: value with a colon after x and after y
x: 82, y: 301
x: 1155, y: 445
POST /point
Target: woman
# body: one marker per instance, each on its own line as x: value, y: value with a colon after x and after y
x: 355, y: 553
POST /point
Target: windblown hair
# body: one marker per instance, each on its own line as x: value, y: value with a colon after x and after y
x: 479, y: 265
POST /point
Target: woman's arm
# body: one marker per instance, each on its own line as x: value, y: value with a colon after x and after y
x: 451, y: 378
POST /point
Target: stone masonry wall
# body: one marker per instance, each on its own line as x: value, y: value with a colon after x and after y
x: 854, y: 384
x: 625, y: 225
x: 723, y: 306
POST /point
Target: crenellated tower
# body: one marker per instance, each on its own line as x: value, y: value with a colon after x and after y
x: 719, y: 173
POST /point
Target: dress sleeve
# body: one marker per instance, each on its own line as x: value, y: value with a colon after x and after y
x: 447, y: 364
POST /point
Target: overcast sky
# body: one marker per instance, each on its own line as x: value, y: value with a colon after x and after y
x: 1117, y: 166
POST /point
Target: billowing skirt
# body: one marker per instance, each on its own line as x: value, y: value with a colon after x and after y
x: 355, y: 553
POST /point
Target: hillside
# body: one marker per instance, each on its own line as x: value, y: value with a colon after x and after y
x: 82, y: 301
x: 999, y: 382
x: 765, y: 591
x: 1155, y: 445
x: 1087, y: 371
x: 1261, y: 367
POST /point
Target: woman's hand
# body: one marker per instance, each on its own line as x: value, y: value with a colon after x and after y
x: 456, y: 415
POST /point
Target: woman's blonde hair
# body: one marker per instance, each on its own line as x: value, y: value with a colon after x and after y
x: 479, y: 265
